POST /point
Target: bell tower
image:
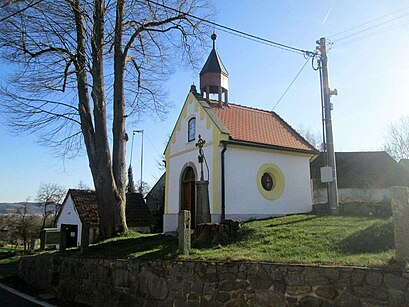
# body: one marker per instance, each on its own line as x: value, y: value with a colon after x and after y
x: 214, y: 78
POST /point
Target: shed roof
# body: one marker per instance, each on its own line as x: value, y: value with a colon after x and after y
x: 85, y: 201
x: 374, y: 169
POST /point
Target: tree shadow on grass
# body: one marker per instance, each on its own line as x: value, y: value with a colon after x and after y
x: 303, y: 219
x: 243, y: 234
x: 374, y: 239
x: 147, y: 247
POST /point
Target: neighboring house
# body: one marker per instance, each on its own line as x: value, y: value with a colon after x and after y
x: 155, y: 201
x: 404, y: 163
x: 256, y: 164
x: 362, y: 176
x: 80, y: 208
x: 138, y: 217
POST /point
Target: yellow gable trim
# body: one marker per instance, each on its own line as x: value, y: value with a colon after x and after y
x: 183, y: 113
x: 217, y: 137
x: 268, y: 150
x: 189, y: 150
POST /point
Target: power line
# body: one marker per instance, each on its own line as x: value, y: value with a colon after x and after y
x: 392, y: 27
x: 368, y: 22
x: 370, y: 28
x: 22, y: 10
x: 232, y: 30
x: 292, y: 82
x: 257, y: 41
x: 219, y: 26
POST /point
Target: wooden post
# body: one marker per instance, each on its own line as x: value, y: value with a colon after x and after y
x: 42, y: 239
x: 63, y: 238
x: 184, y: 231
x: 84, y: 238
x: 400, y: 213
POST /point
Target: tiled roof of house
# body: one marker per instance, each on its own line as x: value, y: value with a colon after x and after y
x: 259, y: 126
x: 374, y: 169
x: 85, y: 201
x: 86, y: 204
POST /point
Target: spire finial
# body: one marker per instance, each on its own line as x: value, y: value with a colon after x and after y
x: 214, y: 36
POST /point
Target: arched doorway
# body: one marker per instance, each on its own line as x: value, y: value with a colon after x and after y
x: 188, y: 193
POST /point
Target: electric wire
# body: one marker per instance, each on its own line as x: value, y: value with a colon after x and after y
x: 257, y: 41
x: 247, y: 35
x: 22, y: 10
x: 370, y: 28
x: 219, y: 26
x: 371, y: 34
x: 292, y: 82
x: 368, y: 22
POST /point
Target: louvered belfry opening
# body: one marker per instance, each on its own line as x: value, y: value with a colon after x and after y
x: 214, y: 78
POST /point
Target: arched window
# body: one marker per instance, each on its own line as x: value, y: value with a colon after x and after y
x: 191, y: 129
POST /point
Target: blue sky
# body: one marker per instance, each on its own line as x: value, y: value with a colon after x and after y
x: 370, y: 73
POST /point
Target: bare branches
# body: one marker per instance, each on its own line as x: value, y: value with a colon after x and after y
x: 58, y: 52
x: 397, y: 139
x: 50, y: 196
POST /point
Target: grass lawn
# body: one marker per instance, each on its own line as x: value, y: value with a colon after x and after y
x: 10, y: 255
x: 307, y: 239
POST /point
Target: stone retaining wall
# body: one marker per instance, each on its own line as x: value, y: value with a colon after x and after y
x: 98, y: 282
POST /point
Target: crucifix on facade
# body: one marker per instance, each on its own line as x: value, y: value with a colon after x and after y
x: 200, y: 143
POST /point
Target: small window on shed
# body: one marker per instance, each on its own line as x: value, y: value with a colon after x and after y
x: 191, y: 129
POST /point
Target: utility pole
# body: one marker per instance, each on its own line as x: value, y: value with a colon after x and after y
x: 140, y: 131
x: 332, y: 185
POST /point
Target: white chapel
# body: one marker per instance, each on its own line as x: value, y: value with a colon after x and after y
x: 257, y: 165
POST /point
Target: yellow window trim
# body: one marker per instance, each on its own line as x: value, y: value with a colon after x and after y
x: 278, y: 181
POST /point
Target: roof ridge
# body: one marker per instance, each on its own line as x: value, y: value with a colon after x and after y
x: 295, y: 132
x: 362, y: 152
x: 82, y: 190
x: 214, y: 102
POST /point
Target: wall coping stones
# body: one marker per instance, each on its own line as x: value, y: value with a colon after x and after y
x: 111, y: 282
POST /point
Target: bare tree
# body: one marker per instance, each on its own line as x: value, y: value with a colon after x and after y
x: 144, y: 188
x: 23, y: 226
x: 57, y: 88
x: 397, y: 139
x: 50, y: 196
x: 83, y: 186
x: 312, y: 137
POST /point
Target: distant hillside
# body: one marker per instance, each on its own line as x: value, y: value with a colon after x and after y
x: 11, y: 208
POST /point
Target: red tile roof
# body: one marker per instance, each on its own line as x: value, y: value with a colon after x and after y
x: 259, y: 126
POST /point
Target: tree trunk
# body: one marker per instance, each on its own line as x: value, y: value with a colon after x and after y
x: 110, y: 202
x: 119, y: 136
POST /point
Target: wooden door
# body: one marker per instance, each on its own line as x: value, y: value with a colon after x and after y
x: 71, y: 235
x: 188, y: 193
